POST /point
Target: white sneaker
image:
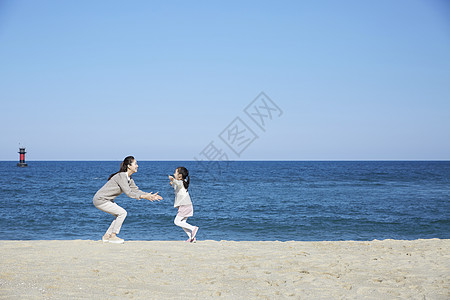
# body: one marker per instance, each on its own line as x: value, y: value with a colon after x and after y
x: 193, y: 234
x: 116, y: 240
x: 105, y: 238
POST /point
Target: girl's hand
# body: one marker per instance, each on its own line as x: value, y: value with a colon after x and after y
x: 153, y: 197
x: 171, y: 177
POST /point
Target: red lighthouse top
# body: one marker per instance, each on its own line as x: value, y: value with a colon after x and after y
x: 22, y: 158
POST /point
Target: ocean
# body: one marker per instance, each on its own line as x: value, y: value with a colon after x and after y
x: 238, y: 200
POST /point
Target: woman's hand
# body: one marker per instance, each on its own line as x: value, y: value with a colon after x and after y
x: 152, y: 197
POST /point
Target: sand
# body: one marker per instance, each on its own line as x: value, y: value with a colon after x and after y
x: 84, y: 269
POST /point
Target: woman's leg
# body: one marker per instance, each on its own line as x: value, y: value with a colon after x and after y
x: 117, y: 211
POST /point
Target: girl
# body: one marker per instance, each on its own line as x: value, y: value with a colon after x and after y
x: 118, y: 183
x: 180, y: 182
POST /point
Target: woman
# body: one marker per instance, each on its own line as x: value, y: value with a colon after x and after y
x: 118, y: 183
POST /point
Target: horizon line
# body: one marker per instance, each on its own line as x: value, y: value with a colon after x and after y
x: 233, y: 160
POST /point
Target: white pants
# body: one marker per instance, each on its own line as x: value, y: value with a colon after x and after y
x: 181, y: 221
x: 117, y: 211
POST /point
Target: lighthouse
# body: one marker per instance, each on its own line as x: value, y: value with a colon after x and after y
x: 22, y: 158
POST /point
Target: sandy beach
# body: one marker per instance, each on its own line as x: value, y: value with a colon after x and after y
x: 85, y: 269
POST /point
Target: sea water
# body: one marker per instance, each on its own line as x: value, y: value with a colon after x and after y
x: 239, y: 200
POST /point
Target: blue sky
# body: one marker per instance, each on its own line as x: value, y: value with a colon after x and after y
x: 161, y: 80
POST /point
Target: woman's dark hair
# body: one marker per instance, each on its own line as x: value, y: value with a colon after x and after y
x: 124, y: 165
x: 184, y: 176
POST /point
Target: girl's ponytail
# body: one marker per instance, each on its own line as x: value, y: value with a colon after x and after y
x: 186, y: 183
x: 184, y: 176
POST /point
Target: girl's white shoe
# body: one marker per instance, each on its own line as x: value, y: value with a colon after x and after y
x: 194, y: 233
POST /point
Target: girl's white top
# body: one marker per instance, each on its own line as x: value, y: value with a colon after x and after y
x: 181, y: 194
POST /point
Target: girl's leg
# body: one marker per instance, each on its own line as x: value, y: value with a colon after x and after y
x: 181, y: 222
x: 188, y: 232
